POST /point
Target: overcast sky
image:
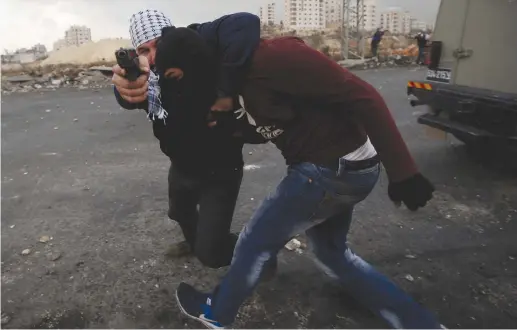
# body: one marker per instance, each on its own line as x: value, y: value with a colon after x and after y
x: 27, y: 22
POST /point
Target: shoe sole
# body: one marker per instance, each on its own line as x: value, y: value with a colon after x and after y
x: 206, y: 324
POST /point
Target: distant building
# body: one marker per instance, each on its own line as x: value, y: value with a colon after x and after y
x: 333, y: 13
x: 77, y: 35
x: 366, y: 14
x: 267, y: 14
x: 24, y: 55
x: 304, y: 14
x: 40, y: 49
x: 396, y: 20
x: 417, y: 25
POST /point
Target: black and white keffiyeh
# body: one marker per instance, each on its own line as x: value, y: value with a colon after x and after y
x: 147, y: 25
x: 154, y: 102
x: 144, y: 26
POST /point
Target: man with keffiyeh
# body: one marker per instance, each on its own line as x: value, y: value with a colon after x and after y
x: 206, y: 164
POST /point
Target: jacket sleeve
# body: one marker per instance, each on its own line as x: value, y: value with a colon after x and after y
x: 127, y: 105
x: 235, y: 38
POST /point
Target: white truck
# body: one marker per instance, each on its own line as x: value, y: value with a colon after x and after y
x: 470, y: 86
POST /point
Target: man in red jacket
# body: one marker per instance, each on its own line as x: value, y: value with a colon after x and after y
x: 333, y: 130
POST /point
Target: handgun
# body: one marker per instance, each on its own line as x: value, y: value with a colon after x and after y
x: 127, y: 59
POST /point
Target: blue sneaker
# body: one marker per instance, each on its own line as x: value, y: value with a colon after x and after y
x: 196, y: 305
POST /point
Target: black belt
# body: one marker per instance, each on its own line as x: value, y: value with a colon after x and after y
x: 353, y: 165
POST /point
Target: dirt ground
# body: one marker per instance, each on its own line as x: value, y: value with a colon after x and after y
x: 88, y: 175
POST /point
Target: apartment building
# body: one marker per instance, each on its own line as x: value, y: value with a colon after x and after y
x: 417, y: 25
x: 333, y: 13
x: 304, y: 14
x: 365, y: 12
x: 396, y: 20
x: 267, y: 14
x: 77, y: 35
x: 24, y: 55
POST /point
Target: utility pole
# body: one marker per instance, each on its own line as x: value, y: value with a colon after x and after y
x: 345, y: 28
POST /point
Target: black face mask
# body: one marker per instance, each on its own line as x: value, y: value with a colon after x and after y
x: 182, y: 48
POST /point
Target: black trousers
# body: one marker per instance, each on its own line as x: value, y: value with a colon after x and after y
x: 207, y: 230
x: 375, y: 46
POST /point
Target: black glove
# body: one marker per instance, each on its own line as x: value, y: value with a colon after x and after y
x: 414, y: 192
x: 225, y: 121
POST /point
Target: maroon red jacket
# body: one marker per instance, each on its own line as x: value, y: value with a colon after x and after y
x: 316, y: 111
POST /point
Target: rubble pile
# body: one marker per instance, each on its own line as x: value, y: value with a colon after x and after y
x: 380, y: 62
x: 53, y: 77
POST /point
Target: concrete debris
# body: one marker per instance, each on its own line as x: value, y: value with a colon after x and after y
x: 51, y: 77
x: 409, y: 278
x: 5, y: 318
x: 396, y: 60
x: 410, y: 256
x: 293, y: 244
x: 19, y: 79
x: 44, y: 239
x: 54, y: 256
x: 26, y: 252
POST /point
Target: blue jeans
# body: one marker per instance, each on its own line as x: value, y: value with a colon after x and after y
x: 320, y: 202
